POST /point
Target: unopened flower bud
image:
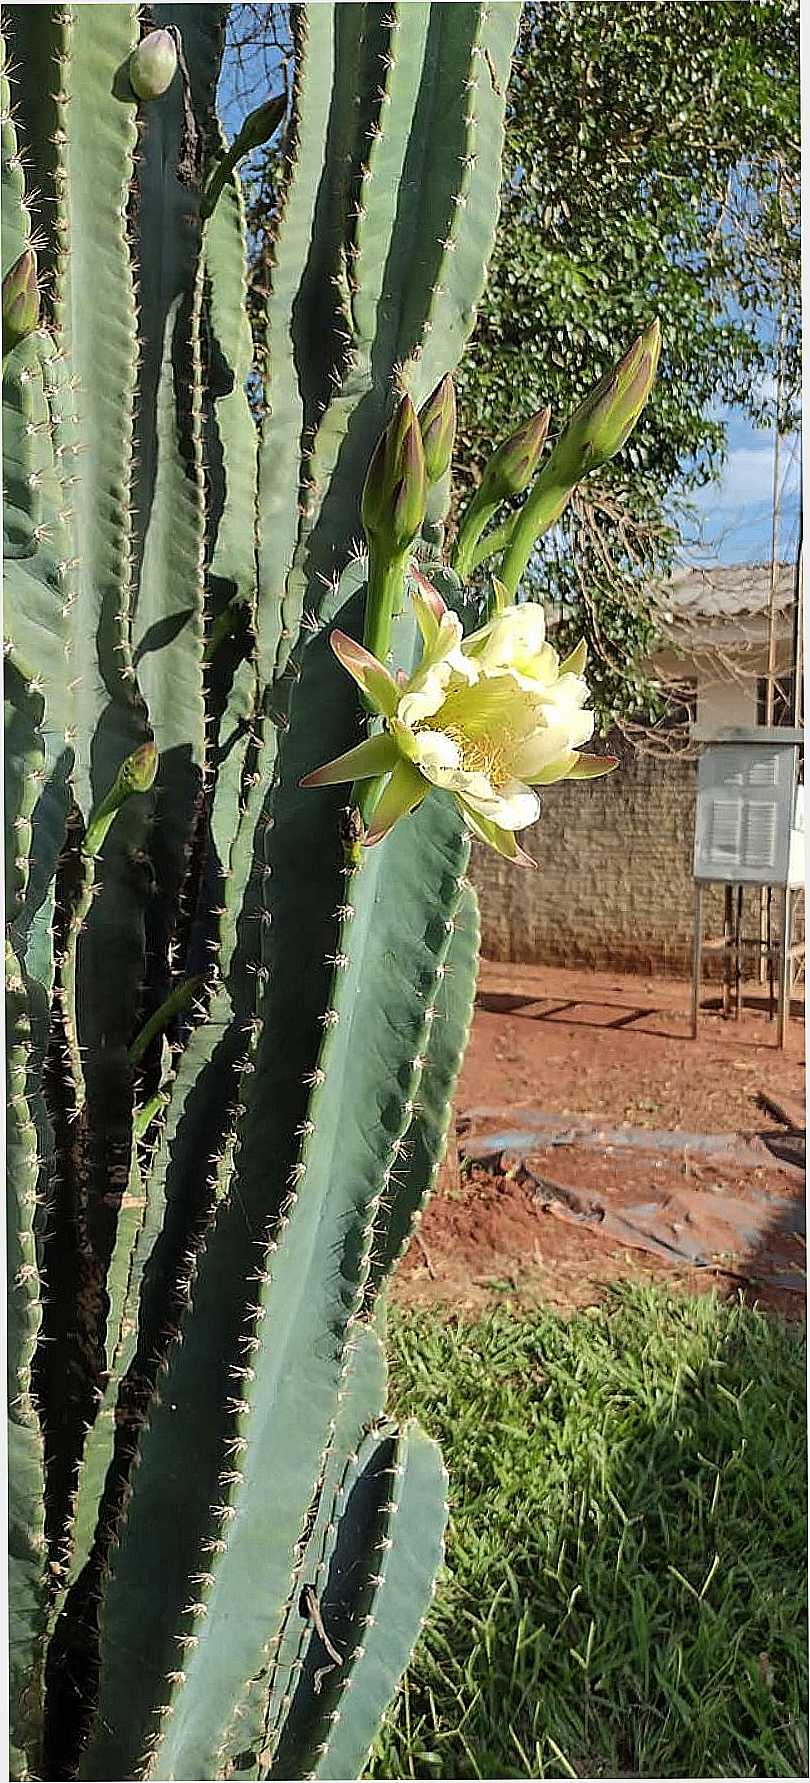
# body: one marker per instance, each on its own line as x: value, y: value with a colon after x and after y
x: 395, y: 492
x: 135, y: 775
x: 510, y: 469
x: 603, y: 422
x: 262, y: 123
x: 20, y: 300
x: 437, y: 421
x: 508, y: 472
x: 153, y: 65
x: 138, y: 772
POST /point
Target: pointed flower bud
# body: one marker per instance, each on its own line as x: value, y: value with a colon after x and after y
x: 135, y: 775
x: 138, y: 772
x: 153, y: 65
x: 437, y: 420
x: 507, y: 473
x: 395, y: 492
x: 510, y: 469
x: 603, y: 422
x: 20, y: 300
x: 262, y: 123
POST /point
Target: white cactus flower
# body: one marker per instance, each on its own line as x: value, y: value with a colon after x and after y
x: 487, y: 718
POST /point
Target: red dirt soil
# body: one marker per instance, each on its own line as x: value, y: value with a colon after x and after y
x: 618, y: 1049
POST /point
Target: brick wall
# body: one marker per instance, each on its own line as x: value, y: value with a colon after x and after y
x: 613, y: 887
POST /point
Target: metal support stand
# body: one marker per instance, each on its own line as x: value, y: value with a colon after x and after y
x: 783, y: 954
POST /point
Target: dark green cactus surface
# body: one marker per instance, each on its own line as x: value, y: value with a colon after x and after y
x: 232, y: 1045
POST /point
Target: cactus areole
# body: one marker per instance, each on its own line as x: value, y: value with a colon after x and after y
x: 237, y: 1004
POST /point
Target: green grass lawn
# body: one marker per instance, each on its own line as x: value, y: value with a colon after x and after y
x: 625, y: 1584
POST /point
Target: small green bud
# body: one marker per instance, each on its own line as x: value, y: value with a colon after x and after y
x: 510, y: 469
x: 395, y: 491
x: 135, y: 775
x: 20, y: 300
x: 153, y: 65
x: 262, y: 123
x: 138, y: 772
x: 437, y: 422
x: 603, y: 422
x: 258, y: 127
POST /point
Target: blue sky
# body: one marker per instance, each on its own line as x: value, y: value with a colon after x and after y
x: 734, y: 524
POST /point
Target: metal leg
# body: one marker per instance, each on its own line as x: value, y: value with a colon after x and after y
x: 738, y: 954
x: 769, y: 938
x: 728, y: 944
x: 762, y: 967
x: 697, y: 956
x: 784, y: 966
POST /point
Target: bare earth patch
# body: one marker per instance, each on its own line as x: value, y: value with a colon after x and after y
x: 619, y: 1184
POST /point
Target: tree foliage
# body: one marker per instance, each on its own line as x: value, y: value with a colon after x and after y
x: 652, y: 166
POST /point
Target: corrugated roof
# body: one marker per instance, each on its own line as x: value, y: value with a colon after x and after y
x: 727, y: 592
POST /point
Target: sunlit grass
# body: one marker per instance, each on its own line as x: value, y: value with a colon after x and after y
x: 625, y: 1583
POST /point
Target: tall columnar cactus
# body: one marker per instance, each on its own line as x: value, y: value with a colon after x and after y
x: 235, y: 1025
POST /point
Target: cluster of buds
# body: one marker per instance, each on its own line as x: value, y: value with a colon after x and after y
x: 412, y: 455
x: 596, y: 431
x: 492, y: 717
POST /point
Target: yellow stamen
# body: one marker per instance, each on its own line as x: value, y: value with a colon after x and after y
x: 480, y: 755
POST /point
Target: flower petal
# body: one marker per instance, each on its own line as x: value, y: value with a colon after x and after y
x: 558, y: 769
x: 428, y: 606
x: 377, y: 755
x: 540, y: 675
x: 424, y: 695
x: 503, y: 841
x: 562, y: 733
x: 575, y: 663
x: 513, y: 806
x: 430, y: 595
x: 371, y: 675
x: 442, y: 660
x: 590, y: 767
x: 435, y: 753
x: 513, y: 639
x: 405, y: 790
x: 427, y: 622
